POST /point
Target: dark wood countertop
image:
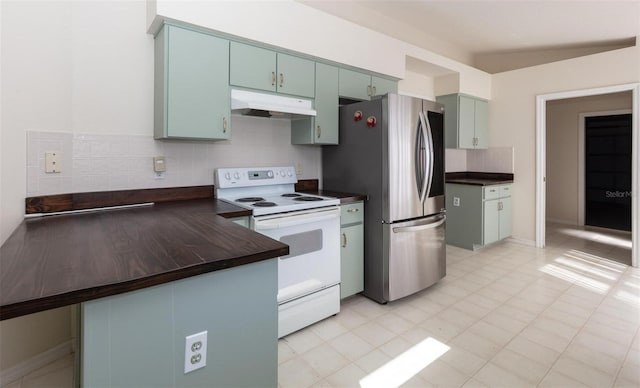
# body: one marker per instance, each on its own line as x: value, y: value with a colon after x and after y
x: 478, y: 178
x: 60, y: 260
x: 310, y: 186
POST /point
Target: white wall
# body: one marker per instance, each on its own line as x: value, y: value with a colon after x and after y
x: 512, y: 114
x: 562, y: 150
x: 78, y: 76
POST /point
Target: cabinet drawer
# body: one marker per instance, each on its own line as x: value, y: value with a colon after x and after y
x: 491, y: 192
x: 505, y: 191
x: 352, y: 213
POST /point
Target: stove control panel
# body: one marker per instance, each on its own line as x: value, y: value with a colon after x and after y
x: 254, y: 176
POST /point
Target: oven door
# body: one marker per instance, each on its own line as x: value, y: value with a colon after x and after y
x: 313, y: 262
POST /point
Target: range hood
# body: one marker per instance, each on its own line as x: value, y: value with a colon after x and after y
x: 268, y: 105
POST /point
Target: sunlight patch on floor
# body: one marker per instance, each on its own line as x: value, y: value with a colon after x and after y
x: 575, y: 278
x: 570, y: 262
x: 402, y: 368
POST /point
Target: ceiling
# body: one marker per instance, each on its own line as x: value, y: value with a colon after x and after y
x: 466, y: 30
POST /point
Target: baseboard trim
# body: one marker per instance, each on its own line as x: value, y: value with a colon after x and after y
x: 22, y: 369
x: 522, y: 241
x: 562, y: 221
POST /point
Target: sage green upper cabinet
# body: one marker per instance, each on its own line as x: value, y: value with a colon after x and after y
x: 191, y: 85
x: 362, y: 86
x: 466, y: 121
x: 322, y: 129
x: 263, y: 69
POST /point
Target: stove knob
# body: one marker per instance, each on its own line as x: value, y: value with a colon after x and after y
x: 236, y: 175
x: 227, y: 175
x: 282, y: 173
x: 270, y: 174
x: 289, y: 173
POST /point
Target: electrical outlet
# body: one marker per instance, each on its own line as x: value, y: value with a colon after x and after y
x: 195, y: 351
x: 298, y: 168
x: 158, y: 175
x: 52, y: 162
x: 456, y: 201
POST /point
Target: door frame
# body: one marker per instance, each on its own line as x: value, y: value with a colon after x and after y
x: 541, y: 154
x: 581, y: 167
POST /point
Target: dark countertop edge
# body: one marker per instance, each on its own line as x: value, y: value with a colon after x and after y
x: 69, y: 298
x: 225, y: 210
x: 343, y: 197
x: 479, y: 178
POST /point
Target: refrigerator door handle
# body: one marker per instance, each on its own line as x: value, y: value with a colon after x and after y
x: 425, y: 166
x: 415, y: 228
x: 430, y: 156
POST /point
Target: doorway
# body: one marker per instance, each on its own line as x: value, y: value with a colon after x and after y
x: 541, y: 163
x: 607, y: 171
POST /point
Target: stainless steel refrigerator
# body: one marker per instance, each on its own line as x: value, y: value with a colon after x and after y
x: 392, y: 149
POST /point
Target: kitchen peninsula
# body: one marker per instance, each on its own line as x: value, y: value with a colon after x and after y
x: 147, y: 277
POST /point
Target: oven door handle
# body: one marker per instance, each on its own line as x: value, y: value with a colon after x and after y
x: 285, y: 222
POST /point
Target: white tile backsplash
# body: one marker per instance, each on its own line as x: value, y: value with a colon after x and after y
x: 455, y: 160
x: 498, y: 159
x: 102, y: 162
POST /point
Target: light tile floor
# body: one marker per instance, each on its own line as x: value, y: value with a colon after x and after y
x: 505, y: 316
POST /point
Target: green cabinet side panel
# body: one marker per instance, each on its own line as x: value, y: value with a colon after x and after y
x: 466, y: 122
x: 352, y: 260
x: 195, y: 86
x: 464, y: 222
x: 505, y: 218
x: 137, y: 339
x: 296, y: 76
x: 491, y: 221
x: 450, y: 103
x: 243, y: 221
x: 252, y: 67
x: 383, y: 86
x: 482, y: 123
x: 354, y: 84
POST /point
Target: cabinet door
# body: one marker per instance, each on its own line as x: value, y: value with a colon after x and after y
x: 326, y: 122
x: 505, y: 218
x: 296, y: 76
x: 481, y: 124
x: 466, y: 122
x: 352, y: 260
x: 382, y: 86
x: 196, y: 85
x: 354, y: 84
x: 252, y: 67
x: 491, y: 222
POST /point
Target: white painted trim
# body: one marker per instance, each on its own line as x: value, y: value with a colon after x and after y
x: 541, y: 154
x: 522, y: 241
x: 562, y: 222
x: 581, y: 123
x: 22, y: 369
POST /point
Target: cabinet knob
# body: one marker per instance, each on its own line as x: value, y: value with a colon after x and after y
x: 353, y: 210
x: 281, y: 79
x: 374, y: 91
x: 344, y: 240
x: 273, y: 78
x: 318, y: 131
x: 224, y: 125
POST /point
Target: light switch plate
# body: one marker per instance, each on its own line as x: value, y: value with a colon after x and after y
x: 52, y: 162
x: 456, y: 201
x: 159, y: 164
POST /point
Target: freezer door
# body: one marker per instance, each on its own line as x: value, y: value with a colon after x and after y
x: 416, y: 255
x: 405, y: 150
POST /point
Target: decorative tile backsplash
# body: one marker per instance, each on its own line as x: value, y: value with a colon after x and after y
x: 498, y: 159
x: 96, y: 162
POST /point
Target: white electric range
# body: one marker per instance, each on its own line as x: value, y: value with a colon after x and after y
x: 309, y: 277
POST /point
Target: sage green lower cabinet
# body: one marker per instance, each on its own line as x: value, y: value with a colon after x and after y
x: 243, y: 221
x: 477, y: 215
x: 352, y: 249
x: 322, y: 129
x: 137, y: 339
x: 192, y: 98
